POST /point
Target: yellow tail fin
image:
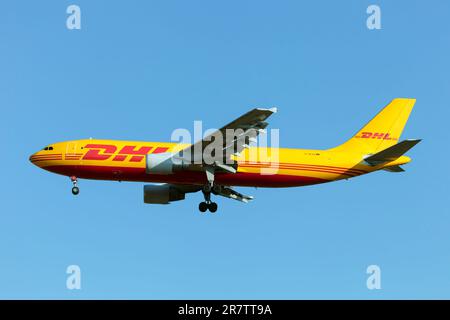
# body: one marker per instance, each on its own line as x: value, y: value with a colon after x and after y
x: 382, y: 131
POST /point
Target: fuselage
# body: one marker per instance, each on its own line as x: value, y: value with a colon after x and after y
x: 257, y: 167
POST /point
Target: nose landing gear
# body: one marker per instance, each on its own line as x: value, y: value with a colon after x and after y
x: 75, y: 189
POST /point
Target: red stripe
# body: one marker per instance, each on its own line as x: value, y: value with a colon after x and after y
x: 330, y: 167
x: 319, y: 168
x: 306, y: 165
x: 308, y: 169
x: 44, y: 160
x: 302, y: 167
x: 184, y: 177
x: 48, y: 157
x: 292, y: 165
x: 324, y: 170
x: 313, y: 168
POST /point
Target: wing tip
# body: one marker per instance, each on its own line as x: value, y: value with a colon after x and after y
x: 272, y: 110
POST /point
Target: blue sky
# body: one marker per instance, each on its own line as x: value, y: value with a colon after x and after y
x: 139, y: 69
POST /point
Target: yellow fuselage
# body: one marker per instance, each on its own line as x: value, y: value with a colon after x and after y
x: 259, y: 167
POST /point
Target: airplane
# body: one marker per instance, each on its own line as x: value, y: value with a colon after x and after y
x: 176, y: 169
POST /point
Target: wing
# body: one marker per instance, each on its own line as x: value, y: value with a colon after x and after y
x: 217, y: 148
x: 212, y: 154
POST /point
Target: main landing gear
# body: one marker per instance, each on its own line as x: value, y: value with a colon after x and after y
x: 207, y: 204
x: 75, y: 189
x: 207, y: 189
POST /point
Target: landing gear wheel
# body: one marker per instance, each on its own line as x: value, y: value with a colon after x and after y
x: 203, y: 206
x: 212, y: 207
x: 75, y: 191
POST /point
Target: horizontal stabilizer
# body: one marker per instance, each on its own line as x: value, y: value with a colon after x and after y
x: 394, y: 169
x: 391, y: 153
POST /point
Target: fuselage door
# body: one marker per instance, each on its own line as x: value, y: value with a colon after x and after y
x: 71, y: 148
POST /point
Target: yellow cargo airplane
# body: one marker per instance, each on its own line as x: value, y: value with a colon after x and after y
x: 178, y: 169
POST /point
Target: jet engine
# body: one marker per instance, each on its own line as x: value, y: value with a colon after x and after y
x: 162, y: 194
x: 160, y: 163
x: 165, y: 163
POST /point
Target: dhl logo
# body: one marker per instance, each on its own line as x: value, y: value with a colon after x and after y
x: 375, y: 135
x: 106, y: 151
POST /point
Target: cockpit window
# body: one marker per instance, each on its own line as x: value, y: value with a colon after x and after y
x: 48, y: 148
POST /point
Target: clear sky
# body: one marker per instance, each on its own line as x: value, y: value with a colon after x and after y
x: 138, y: 70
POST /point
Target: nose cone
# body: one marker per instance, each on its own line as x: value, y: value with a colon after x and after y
x: 33, y: 158
x: 40, y: 158
x: 46, y: 157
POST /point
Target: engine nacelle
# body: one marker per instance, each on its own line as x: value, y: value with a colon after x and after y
x: 165, y: 163
x: 162, y: 194
x: 159, y: 163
